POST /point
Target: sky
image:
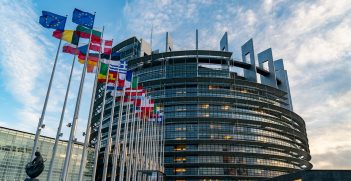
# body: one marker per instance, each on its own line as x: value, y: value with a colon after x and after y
x: 313, y: 37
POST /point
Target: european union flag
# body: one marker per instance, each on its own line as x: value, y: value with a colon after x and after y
x: 51, y: 20
x: 83, y: 18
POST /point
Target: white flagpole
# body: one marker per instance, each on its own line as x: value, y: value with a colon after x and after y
x: 163, y: 138
x: 146, y: 147
x: 41, y: 119
x: 125, y: 138
x: 137, y: 146
x: 108, y: 141
x: 142, y: 144
x: 98, y: 141
x: 88, y: 129
x: 109, y: 137
x: 132, y: 143
x: 58, y: 134
x: 150, y: 138
x: 152, y: 141
x: 75, y: 116
x: 156, y: 146
x: 155, y: 143
x: 116, y: 151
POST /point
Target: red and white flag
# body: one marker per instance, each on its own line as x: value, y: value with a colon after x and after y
x: 107, y: 46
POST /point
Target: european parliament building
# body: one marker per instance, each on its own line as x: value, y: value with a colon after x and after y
x: 225, y: 119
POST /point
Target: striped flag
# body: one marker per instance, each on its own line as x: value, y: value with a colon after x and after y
x: 107, y: 46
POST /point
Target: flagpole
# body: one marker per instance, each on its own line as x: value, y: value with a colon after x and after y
x: 109, y: 137
x: 131, y: 145
x: 125, y: 137
x: 124, y: 146
x: 41, y: 119
x: 118, y: 137
x: 76, y: 113
x: 142, y: 143
x: 137, y: 159
x: 58, y: 134
x: 137, y: 143
x: 88, y: 129
x: 98, y: 141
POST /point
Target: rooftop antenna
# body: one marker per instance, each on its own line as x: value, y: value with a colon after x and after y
x: 197, y: 39
x: 152, y: 28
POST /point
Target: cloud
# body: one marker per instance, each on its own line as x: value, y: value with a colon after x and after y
x: 311, y: 36
x: 22, y: 55
x: 27, y: 57
x: 330, y: 159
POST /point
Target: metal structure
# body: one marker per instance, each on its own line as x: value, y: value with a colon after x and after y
x: 221, y: 125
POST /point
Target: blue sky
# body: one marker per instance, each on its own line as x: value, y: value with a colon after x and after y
x: 313, y: 37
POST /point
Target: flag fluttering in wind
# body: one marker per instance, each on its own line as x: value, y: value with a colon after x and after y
x: 94, y: 57
x: 52, y: 20
x: 84, y: 32
x: 83, y: 49
x: 103, y: 71
x: 83, y: 18
x: 107, y: 46
x: 69, y: 36
x: 95, y: 47
x: 71, y: 49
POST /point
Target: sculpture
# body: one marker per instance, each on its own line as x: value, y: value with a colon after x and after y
x: 35, y: 167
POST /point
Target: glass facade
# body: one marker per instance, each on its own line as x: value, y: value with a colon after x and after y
x: 16, y: 148
x: 218, y: 125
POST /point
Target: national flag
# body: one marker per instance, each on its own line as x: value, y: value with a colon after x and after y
x: 110, y: 87
x: 51, y: 20
x: 69, y: 48
x: 95, y: 47
x: 91, y: 68
x: 146, y: 106
x: 114, y: 67
x: 122, y: 69
x: 67, y: 35
x: 92, y: 57
x: 103, y: 71
x: 122, y: 73
x: 83, y: 18
x: 83, y: 49
x: 134, y: 82
x: 112, y: 74
x: 135, y: 92
x: 84, y: 32
x: 107, y: 46
x: 128, y: 80
x: 93, y: 63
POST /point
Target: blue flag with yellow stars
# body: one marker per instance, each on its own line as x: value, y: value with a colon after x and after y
x: 83, y: 18
x: 51, y: 20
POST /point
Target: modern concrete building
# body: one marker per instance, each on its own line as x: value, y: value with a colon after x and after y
x: 220, y: 125
x: 15, y: 150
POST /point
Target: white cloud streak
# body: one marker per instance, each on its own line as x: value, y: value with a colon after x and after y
x: 27, y: 60
x: 312, y: 37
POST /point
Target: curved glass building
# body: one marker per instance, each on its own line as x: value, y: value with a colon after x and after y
x: 219, y: 124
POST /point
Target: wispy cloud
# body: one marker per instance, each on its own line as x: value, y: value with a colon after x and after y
x: 27, y: 59
x: 312, y: 37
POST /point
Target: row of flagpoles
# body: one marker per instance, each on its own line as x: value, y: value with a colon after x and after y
x: 142, y: 136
